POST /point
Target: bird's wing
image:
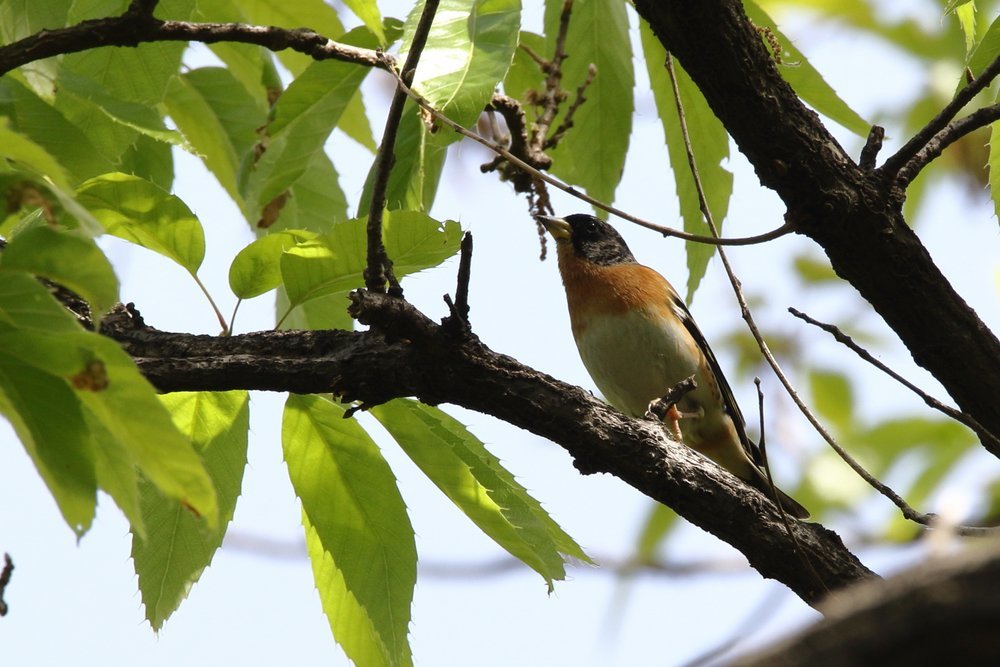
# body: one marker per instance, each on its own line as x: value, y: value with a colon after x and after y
x: 727, y: 392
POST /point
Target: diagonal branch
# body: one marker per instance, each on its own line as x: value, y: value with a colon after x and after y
x: 946, y: 137
x: 409, y: 355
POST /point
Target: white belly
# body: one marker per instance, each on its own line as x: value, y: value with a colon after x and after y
x: 616, y: 352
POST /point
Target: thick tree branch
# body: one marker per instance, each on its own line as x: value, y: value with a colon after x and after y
x: 854, y: 214
x: 137, y: 27
x: 943, y: 612
x: 410, y: 355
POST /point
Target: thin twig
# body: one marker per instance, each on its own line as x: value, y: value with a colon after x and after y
x: 844, y: 339
x: 949, y: 135
x: 567, y: 122
x: 554, y: 95
x: 872, y: 146
x: 786, y: 228
x: 459, y: 318
x: 895, y: 164
x: 379, y: 265
x: 908, y: 512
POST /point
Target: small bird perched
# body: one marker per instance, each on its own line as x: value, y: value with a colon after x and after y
x: 637, y: 340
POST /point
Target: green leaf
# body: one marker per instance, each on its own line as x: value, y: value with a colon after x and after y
x: 219, y: 118
x: 965, y: 12
x: 524, y: 73
x: 303, y: 118
x: 46, y: 416
x: 367, y: 11
x: 256, y: 268
x: 472, y: 478
x: 469, y: 50
x: 808, y: 83
x: 317, y: 201
x: 138, y: 211
x: 21, y: 18
x: 592, y: 154
x: 66, y: 154
x: 177, y: 547
x: 335, y: 262
x: 417, y: 170
x: 709, y: 145
x: 833, y: 397
x: 358, y: 533
x: 67, y: 259
x: 814, y: 271
x: 986, y: 51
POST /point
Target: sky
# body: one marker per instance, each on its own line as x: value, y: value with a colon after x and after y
x: 77, y: 603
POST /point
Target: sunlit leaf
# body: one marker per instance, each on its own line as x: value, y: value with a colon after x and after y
x: 367, y: 11
x: 709, y: 145
x: 994, y: 166
x: 358, y: 533
x: 459, y: 464
x: 808, y: 83
x: 138, y: 211
x: 592, y: 154
x: 177, y: 547
x: 468, y: 52
x: 335, y: 262
x: 70, y: 260
x: 833, y: 396
x: 256, y: 269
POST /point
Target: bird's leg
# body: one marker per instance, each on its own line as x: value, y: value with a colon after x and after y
x: 665, y: 409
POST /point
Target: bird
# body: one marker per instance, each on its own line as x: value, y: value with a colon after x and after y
x: 637, y: 340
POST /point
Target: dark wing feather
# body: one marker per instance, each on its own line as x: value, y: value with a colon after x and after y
x: 727, y: 392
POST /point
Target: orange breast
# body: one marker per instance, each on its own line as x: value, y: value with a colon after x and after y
x: 593, y: 290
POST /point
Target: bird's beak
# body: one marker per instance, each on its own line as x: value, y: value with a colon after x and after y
x: 558, y: 227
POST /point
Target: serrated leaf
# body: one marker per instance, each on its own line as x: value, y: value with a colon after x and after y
x: 304, y: 116
x: 986, y: 51
x: 177, y: 547
x: 72, y: 261
x: 965, y: 12
x: 219, y: 118
x: 458, y: 463
x: 335, y: 262
x: 27, y: 17
x: 256, y: 269
x: 469, y: 50
x: 709, y: 145
x: 68, y: 155
x: 592, y: 154
x: 139, y: 211
x: 808, y: 83
x: 46, y: 417
x: 358, y: 533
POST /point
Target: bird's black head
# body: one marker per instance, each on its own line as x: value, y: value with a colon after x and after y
x: 592, y: 239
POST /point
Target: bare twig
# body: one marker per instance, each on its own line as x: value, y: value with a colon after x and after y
x: 786, y: 228
x: 379, y: 266
x: 554, y: 95
x: 872, y: 146
x: 894, y: 165
x: 8, y: 569
x: 459, y: 318
x: 949, y: 135
x: 844, y: 339
x: 567, y: 122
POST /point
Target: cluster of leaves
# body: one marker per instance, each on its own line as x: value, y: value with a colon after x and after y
x: 88, y: 151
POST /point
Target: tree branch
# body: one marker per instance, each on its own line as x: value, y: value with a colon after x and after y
x: 137, y: 27
x: 408, y: 355
x: 946, y: 137
x: 853, y: 214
